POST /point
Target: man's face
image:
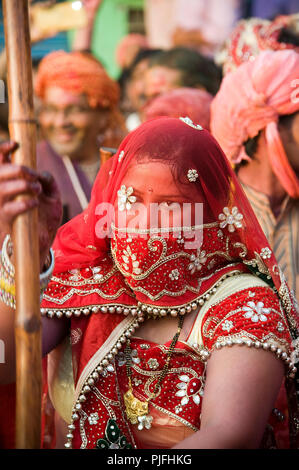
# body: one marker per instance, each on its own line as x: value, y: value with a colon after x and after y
x: 136, y: 85
x: 290, y: 142
x: 159, y: 79
x: 68, y: 122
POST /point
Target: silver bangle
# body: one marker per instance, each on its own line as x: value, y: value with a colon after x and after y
x: 45, y: 277
x: 5, y: 253
x: 7, y: 272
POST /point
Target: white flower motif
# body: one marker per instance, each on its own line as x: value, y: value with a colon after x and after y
x: 192, y: 175
x: 108, y: 369
x: 137, y: 382
x: 266, y: 253
x: 153, y: 363
x: 96, y: 273
x: 280, y: 327
x: 174, y: 275
x: 125, y: 198
x: 121, y: 156
x: 134, y: 356
x: 181, y: 240
x: 190, y: 123
x: 76, y: 275
x: 197, y: 261
x: 127, y: 256
x: 256, y: 312
x: 145, y: 421
x: 227, y: 325
x: 189, y: 388
x: 178, y: 409
x: 93, y: 418
x: 232, y: 220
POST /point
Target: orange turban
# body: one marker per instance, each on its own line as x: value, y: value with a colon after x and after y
x: 79, y: 73
x: 250, y: 99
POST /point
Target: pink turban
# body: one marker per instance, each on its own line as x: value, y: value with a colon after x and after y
x: 251, y: 99
x: 182, y: 102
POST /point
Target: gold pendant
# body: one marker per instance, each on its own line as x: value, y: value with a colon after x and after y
x: 134, y: 408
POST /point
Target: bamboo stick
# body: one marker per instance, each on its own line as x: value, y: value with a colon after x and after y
x: 106, y: 153
x: 22, y: 128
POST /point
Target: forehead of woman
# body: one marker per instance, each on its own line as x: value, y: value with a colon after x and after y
x: 175, y: 147
x: 157, y: 178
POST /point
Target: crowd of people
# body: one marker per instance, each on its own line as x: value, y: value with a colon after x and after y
x: 181, y: 334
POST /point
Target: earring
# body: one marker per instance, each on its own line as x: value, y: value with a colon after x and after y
x: 192, y: 175
x: 125, y: 198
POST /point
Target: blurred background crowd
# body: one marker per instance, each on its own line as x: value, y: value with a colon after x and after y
x: 102, y: 67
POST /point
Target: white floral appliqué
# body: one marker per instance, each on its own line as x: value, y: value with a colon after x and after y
x: 189, y: 388
x: 145, y: 421
x: 174, y: 275
x: 192, y: 175
x: 227, y: 325
x: 96, y: 273
x: 129, y: 256
x: 125, y: 198
x: 231, y: 220
x: 197, y: 261
x: 75, y: 275
x: 153, y: 363
x: 266, y: 253
x: 256, y: 312
x: 93, y: 418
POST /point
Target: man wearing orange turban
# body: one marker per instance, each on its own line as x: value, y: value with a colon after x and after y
x: 256, y: 121
x: 78, y: 114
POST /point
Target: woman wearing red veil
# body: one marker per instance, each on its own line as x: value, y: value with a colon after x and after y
x: 179, y: 334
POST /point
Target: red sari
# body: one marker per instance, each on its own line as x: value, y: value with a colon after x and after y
x: 107, y: 295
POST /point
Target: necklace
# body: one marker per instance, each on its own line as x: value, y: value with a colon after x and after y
x: 137, y: 410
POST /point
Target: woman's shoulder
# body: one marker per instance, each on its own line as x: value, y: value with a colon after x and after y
x: 243, y: 309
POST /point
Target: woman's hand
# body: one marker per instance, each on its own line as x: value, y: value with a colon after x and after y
x: 41, y: 191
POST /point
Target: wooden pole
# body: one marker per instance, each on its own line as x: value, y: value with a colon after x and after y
x: 106, y: 153
x: 22, y: 128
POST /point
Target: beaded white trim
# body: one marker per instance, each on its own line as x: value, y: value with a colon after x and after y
x: 140, y: 309
x: 259, y: 345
